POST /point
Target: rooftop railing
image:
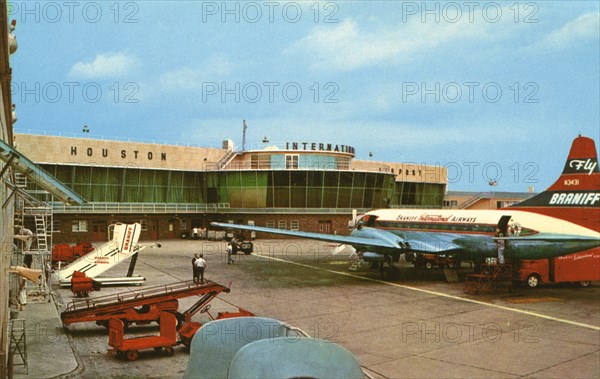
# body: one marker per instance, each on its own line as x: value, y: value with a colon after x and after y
x: 163, y: 208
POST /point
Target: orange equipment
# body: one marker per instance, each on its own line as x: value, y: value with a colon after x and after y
x: 581, y: 268
x: 158, y: 304
x: 167, y: 339
x: 130, y: 346
x: 81, y: 285
x: 189, y: 328
x: 139, y: 306
x: 63, y: 252
x: 491, y: 277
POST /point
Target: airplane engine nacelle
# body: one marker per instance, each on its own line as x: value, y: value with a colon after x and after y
x: 380, y: 235
x: 372, y: 257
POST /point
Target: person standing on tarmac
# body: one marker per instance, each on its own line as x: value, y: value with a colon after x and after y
x: 195, y: 271
x: 201, y: 265
x: 229, y: 250
x: 501, y: 244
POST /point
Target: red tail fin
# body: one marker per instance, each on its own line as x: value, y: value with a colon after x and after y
x: 575, y: 196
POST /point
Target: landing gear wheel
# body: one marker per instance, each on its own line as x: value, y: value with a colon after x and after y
x: 533, y: 281
x: 390, y: 273
x: 132, y: 355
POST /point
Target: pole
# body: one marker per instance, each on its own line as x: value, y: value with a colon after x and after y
x: 244, y: 135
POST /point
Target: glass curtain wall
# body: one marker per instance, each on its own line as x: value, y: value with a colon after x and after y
x: 248, y: 188
x: 418, y: 194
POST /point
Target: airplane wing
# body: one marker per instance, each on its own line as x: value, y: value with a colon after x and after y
x: 369, y: 239
x: 432, y: 246
x: 550, y: 238
x: 362, y: 243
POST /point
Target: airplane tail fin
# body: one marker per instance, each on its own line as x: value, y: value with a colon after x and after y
x: 575, y: 196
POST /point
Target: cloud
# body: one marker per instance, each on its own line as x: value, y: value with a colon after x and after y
x: 347, y: 46
x: 584, y: 27
x: 212, y: 69
x: 105, y: 65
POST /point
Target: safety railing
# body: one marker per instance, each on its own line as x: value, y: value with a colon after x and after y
x: 102, y: 207
x: 157, y: 208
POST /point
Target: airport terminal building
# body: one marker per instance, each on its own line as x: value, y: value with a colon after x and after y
x: 171, y: 189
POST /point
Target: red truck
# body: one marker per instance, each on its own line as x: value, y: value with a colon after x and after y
x: 582, y: 268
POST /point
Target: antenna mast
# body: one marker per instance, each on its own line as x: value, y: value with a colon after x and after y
x: 244, y: 135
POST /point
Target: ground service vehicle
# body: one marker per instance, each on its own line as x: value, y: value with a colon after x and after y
x: 428, y: 261
x: 582, y: 268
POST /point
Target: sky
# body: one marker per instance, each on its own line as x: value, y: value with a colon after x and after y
x: 491, y: 90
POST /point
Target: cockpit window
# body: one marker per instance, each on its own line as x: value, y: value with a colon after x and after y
x: 368, y: 220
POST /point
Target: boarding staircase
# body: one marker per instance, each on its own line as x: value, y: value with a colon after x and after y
x: 491, y: 278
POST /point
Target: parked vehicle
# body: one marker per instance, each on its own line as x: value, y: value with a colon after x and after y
x: 581, y: 268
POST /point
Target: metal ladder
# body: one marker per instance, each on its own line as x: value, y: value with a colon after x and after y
x: 18, y: 343
x: 41, y: 233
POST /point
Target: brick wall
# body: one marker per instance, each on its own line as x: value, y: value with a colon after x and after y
x: 162, y: 227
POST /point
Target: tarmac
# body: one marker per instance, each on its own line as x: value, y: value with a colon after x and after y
x: 418, y: 326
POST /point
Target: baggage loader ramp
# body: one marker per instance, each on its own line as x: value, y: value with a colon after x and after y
x: 138, y: 306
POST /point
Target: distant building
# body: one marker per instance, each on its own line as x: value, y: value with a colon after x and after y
x: 483, y: 200
x: 172, y: 189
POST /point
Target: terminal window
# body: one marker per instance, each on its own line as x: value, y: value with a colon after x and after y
x: 79, y: 226
x: 295, y: 225
x: 325, y: 226
x: 291, y: 161
x: 282, y: 225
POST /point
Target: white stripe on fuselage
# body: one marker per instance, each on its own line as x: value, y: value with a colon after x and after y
x: 534, y: 221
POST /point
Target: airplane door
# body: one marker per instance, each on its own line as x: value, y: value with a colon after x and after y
x: 503, y: 224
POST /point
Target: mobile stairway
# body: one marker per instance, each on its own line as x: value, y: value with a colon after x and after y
x: 121, y: 247
x: 491, y: 278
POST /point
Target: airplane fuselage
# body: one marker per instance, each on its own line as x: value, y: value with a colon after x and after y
x: 472, y: 233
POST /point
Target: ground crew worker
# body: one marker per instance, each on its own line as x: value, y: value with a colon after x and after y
x: 229, y: 250
x: 195, y: 272
x: 201, y: 265
x: 501, y: 245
